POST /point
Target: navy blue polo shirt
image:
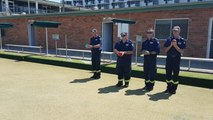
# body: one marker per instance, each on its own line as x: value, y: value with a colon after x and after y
x: 127, y: 46
x: 181, y: 43
x: 95, y: 41
x: 151, y: 45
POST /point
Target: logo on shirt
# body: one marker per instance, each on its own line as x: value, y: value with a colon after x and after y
x: 179, y: 43
x: 127, y: 44
x: 151, y: 43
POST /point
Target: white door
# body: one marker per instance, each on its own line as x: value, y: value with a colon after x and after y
x: 31, y: 34
x: 210, y: 40
x: 107, y: 36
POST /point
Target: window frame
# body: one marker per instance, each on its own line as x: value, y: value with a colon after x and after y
x: 172, y: 19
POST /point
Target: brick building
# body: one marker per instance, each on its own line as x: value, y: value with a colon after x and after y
x: 195, y: 19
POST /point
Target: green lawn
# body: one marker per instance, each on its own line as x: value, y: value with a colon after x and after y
x: 135, y: 68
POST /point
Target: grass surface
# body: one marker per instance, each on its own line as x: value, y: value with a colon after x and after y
x: 186, y: 78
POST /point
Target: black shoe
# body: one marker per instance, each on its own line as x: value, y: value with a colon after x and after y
x: 167, y: 91
x: 98, y: 76
x: 119, y: 84
x: 126, y: 84
x: 94, y: 75
x: 172, y: 92
x: 149, y: 88
x: 168, y: 88
x: 173, y: 89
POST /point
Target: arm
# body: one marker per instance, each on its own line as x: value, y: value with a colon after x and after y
x: 96, y: 46
x: 116, y: 51
x: 168, y: 48
x: 168, y: 45
x: 90, y: 44
x: 128, y: 52
x: 177, y: 48
x: 145, y: 52
x: 99, y: 43
x: 125, y: 52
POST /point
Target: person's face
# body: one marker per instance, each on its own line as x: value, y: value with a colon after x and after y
x: 124, y: 37
x: 176, y: 33
x: 93, y: 33
x: 149, y: 35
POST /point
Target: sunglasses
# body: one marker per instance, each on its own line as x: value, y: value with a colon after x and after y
x: 175, y: 30
x: 149, y: 32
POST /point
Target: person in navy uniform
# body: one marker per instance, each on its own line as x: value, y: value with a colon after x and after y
x: 124, y: 50
x: 150, y: 49
x: 95, y: 46
x: 174, y: 47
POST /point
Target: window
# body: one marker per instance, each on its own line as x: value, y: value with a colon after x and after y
x: 212, y: 30
x: 2, y: 33
x: 122, y: 28
x: 183, y: 25
x: 211, y: 44
x: 137, y: 3
x: 163, y: 28
x: 121, y: 5
x: 106, y: 1
x: 106, y: 6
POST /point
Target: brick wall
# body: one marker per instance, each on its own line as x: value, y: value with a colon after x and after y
x: 77, y: 28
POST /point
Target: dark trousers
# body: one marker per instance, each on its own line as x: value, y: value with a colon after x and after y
x: 124, y: 71
x: 96, y: 61
x: 172, y: 68
x: 172, y: 72
x: 150, y: 67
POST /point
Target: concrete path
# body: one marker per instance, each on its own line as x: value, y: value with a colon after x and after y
x: 31, y: 91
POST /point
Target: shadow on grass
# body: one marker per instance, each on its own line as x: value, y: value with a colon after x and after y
x: 83, y: 80
x: 18, y: 60
x: 159, y: 96
x: 140, y: 91
x: 109, y: 89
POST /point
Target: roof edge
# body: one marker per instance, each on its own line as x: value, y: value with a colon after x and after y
x: 180, y: 6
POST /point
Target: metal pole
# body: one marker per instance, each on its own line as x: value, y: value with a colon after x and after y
x: 0, y: 40
x: 66, y: 44
x: 111, y: 57
x: 189, y: 66
x: 36, y: 4
x: 40, y: 50
x: 63, y: 9
x: 56, y: 47
x: 28, y: 6
x: 7, y: 7
x: 46, y: 41
x: 136, y: 53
